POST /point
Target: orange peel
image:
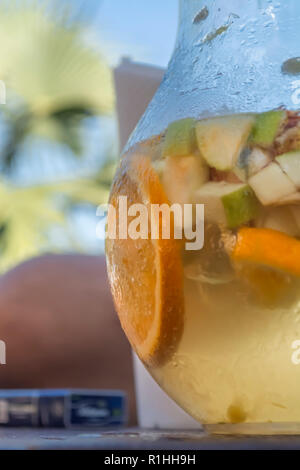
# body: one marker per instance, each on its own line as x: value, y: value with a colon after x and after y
x: 146, y: 276
x: 268, y: 248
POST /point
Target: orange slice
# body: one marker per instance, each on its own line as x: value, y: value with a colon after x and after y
x: 268, y: 248
x: 146, y: 276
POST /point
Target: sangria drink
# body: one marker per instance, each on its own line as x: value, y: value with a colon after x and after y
x: 204, y: 263
x: 217, y: 325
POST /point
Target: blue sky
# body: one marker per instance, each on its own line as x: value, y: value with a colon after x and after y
x: 145, y: 30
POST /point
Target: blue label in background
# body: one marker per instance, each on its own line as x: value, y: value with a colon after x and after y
x: 52, y: 411
x: 97, y: 410
x: 63, y: 408
x: 19, y: 411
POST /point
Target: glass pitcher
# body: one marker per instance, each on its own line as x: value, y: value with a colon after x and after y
x: 203, y: 242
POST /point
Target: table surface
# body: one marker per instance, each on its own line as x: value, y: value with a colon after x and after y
x: 20, y: 439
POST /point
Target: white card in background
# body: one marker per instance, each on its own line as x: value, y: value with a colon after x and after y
x: 135, y: 86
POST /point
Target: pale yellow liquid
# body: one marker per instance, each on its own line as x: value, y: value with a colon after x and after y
x: 234, y: 362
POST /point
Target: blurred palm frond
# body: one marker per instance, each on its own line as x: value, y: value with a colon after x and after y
x: 28, y: 213
x: 54, y: 80
x: 48, y: 65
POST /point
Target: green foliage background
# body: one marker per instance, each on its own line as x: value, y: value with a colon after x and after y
x: 54, y: 81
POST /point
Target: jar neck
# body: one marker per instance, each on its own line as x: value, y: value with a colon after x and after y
x: 239, y: 56
x: 233, y: 56
x: 207, y: 20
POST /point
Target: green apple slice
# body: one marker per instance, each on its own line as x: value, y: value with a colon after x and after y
x: 221, y: 140
x: 180, y: 139
x: 271, y: 185
x: 182, y: 176
x: 290, y: 163
x: 228, y: 204
x: 266, y: 127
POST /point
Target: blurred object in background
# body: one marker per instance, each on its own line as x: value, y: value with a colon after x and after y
x: 58, y: 321
x: 57, y: 159
x: 135, y: 84
x: 135, y: 87
x: 63, y: 408
x: 142, y: 30
x: 58, y: 144
x: 52, y: 152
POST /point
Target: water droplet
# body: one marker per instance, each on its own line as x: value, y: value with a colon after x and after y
x: 201, y: 16
x: 291, y: 66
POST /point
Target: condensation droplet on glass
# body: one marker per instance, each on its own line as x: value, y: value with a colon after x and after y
x: 291, y: 66
x: 201, y: 16
x: 222, y: 29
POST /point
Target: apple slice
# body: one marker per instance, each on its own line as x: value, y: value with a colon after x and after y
x: 266, y: 128
x: 228, y: 204
x: 221, y: 140
x: 281, y: 219
x: 180, y: 139
x: 271, y: 185
x: 290, y: 163
x: 251, y: 162
x: 182, y: 176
